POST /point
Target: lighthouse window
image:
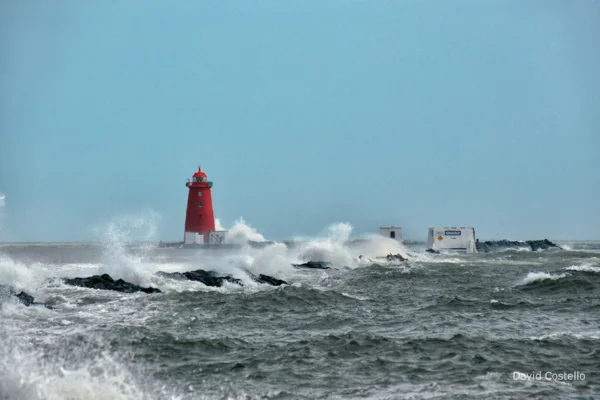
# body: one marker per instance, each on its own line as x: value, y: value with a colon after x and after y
x: 199, y: 193
x: 200, y: 205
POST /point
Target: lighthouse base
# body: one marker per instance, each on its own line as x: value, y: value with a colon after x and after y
x: 213, y: 246
x: 213, y: 237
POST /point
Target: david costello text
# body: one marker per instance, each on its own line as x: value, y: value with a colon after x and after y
x: 549, y: 376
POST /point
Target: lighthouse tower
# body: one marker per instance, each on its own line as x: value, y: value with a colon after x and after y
x: 199, y: 217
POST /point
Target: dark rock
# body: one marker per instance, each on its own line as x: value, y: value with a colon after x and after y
x: 105, y: 282
x: 395, y: 257
x: 238, y: 366
x: 23, y: 297
x: 314, y: 265
x: 432, y: 251
x: 172, y: 275
x: 540, y: 244
x: 270, y: 280
x: 266, y: 279
x: 389, y: 258
x: 495, y: 245
x: 392, y: 258
x: 209, y: 278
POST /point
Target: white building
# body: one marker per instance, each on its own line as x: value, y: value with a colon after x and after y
x: 451, y: 238
x: 392, y: 232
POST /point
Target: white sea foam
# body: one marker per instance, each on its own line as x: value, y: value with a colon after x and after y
x: 121, y: 230
x: 360, y: 298
x: 594, y: 335
x: 517, y: 249
x: 31, y: 374
x: 277, y: 258
x: 584, y: 268
x: 20, y: 276
x: 443, y: 258
x: 540, y: 276
x: 329, y: 247
x: 240, y: 232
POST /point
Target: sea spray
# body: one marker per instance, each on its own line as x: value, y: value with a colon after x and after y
x: 122, y: 231
x: 241, y: 232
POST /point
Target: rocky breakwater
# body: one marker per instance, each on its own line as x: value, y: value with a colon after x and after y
x: 106, y: 282
x: 496, y: 245
x: 211, y: 278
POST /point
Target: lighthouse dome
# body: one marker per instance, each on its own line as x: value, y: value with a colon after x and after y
x: 199, y: 176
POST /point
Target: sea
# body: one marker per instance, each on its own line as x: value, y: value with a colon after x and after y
x: 511, y: 324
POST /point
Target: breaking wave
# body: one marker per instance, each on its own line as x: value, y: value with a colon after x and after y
x: 120, y: 231
x: 533, y: 277
x: 565, y: 335
x: 20, y: 276
x: 82, y: 371
x: 334, y: 245
x: 549, y: 283
x: 584, y: 268
x: 240, y: 232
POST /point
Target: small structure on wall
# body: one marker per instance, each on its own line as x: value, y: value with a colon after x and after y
x: 392, y: 232
x: 451, y: 238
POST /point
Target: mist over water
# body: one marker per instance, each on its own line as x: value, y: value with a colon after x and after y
x: 449, y: 325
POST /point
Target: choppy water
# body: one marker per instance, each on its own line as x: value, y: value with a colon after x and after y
x: 441, y: 326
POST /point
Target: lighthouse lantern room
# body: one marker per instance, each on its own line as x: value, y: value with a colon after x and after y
x: 199, y: 217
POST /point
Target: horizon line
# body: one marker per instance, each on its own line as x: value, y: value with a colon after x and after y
x: 273, y: 241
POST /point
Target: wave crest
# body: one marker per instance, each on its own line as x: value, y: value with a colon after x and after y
x: 533, y: 277
x: 241, y: 232
x: 584, y: 268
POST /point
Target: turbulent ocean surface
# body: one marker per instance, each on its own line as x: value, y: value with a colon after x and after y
x: 437, y: 326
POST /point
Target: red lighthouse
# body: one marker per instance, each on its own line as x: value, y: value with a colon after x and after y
x: 199, y: 217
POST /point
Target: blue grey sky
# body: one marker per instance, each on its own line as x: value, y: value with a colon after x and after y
x: 303, y: 113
